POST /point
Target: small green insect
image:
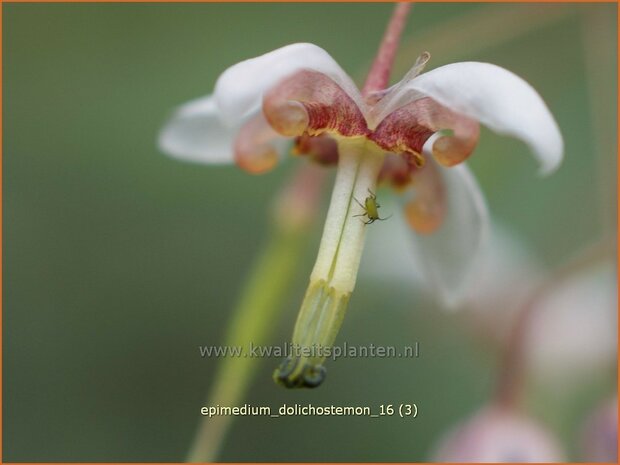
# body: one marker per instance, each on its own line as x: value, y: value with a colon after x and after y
x: 371, y: 208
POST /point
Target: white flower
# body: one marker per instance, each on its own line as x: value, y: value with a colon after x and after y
x: 410, y: 136
x: 299, y: 91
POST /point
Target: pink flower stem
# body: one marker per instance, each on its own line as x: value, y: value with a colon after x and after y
x: 379, y: 75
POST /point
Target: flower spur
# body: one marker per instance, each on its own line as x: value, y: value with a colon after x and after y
x: 413, y: 136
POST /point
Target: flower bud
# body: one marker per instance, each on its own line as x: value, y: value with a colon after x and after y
x: 599, y: 438
x: 498, y: 434
x: 572, y: 332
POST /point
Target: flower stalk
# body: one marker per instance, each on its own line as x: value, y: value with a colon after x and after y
x: 258, y: 307
x: 261, y: 303
x: 379, y: 75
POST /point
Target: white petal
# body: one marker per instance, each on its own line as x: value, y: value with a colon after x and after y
x: 497, y: 98
x: 452, y: 254
x: 388, y: 255
x: 239, y: 90
x: 195, y: 132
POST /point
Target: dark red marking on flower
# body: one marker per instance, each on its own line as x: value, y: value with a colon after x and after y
x: 321, y: 149
x: 311, y: 103
x: 401, y: 131
x: 409, y: 127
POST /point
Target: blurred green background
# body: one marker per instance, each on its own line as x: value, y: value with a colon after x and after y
x: 119, y: 261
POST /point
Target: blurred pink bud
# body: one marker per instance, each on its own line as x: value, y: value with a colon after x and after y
x: 572, y: 332
x: 600, y: 434
x: 498, y: 434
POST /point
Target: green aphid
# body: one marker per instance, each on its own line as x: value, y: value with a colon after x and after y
x: 371, y: 208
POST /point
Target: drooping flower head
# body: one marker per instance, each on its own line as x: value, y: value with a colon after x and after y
x: 413, y: 136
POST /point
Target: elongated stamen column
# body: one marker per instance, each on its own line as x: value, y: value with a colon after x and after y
x: 334, y: 274
x: 340, y: 252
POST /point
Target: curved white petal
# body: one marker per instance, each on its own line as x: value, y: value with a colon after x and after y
x: 452, y: 254
x: 388, y: 255
x: 195, y: 132
x: 239, y: 90
x: 497, y: 98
